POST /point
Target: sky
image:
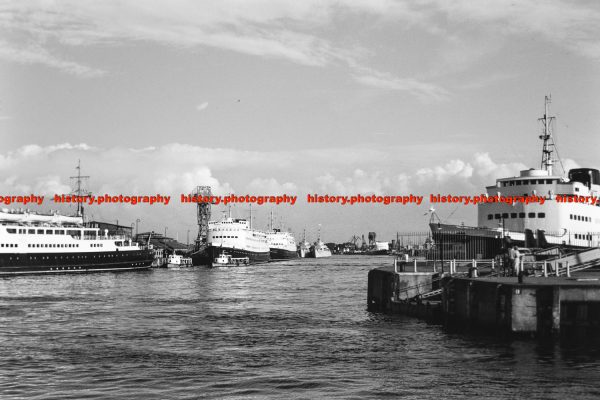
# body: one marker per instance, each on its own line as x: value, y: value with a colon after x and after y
x: 271, y: 97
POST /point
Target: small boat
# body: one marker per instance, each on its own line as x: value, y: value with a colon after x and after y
x: 178, y: 261
x: 226, y: 260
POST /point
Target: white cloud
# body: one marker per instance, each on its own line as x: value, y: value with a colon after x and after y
x: 35, y: 54
x: 423, y: 90
x: 270, y: 186
x: 202, y: 106
x: 284, y: 29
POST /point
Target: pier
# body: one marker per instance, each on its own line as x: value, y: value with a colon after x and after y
x: 558, y: 297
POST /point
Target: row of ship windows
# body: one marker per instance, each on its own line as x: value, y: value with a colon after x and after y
x: 529, y: 182
x: 52, y: 245
x: 225, y: 237
x: 582, y: 236
x: 516, y: 215
x: 580, y: 218
x: 8, y: 245
x: 51, y: 232
x: 69, y: 257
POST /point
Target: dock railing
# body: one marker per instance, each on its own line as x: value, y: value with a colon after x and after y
x: 452, y: 267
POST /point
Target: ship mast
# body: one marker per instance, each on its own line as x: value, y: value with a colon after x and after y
x: 78, y: 187
x: 548, y: 146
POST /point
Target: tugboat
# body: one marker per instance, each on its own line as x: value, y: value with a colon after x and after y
x: 177, y: 261
x: 562, y: 219
x: 226, y: 260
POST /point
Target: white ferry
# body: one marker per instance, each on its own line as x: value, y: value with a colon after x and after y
x: 282, y: 245
x: 574, y: 224
x: 39, y: 243
x: 235, y: 237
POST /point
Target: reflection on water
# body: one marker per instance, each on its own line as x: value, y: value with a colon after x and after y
x: 297, y: 329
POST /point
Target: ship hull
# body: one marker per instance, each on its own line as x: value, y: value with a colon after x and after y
x: 201, y: 257
x: 41, y: 263
x: 318, y: 254
x: 282, y: 254
x: 255, y: 257
x: 303, y: 252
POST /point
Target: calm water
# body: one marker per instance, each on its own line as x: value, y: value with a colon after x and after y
x: 297, y: 330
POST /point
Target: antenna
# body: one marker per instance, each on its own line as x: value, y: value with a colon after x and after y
x: 548, y: 146
x: 77, y: 183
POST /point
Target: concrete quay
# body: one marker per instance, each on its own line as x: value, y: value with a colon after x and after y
x: 542, y: 306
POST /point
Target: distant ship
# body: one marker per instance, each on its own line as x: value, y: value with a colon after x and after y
x: 378, y: 249
x: 236, y: 237
x: 282, y: 245
x: 304, y: 247
x: 53, y: 243
x: 573, y: 224
x: 319, y: 249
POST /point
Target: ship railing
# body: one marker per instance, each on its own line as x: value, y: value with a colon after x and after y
x: 473, y: 267
x: 105, y: 237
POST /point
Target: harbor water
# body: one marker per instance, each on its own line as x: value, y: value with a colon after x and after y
x: 296, y: 329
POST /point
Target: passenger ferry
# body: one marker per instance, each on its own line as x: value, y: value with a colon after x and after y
x: 572, y: 224
x: 236, y: 237
x: 53, y: 243
x: 282, y: 245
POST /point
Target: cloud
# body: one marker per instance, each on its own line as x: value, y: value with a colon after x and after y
x: 285, y: 30
x: 35, y: 54
x: 270, y: 186
x: 202, y: 106
x: 422, y: 90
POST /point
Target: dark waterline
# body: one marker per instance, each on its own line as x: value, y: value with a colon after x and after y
x: 295, y: 329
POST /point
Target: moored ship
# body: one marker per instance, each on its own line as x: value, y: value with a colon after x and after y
x: 319, y: 250
x: 282, y: 245
x: 553, y: 221
x: 40, y: 243
x: 236, y: 237
x: 303, y: 247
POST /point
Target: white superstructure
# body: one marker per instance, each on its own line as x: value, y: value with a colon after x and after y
x: 574, y: 222
x: 281, y: 240
x: 235, y: 233
x: 23, y: 232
